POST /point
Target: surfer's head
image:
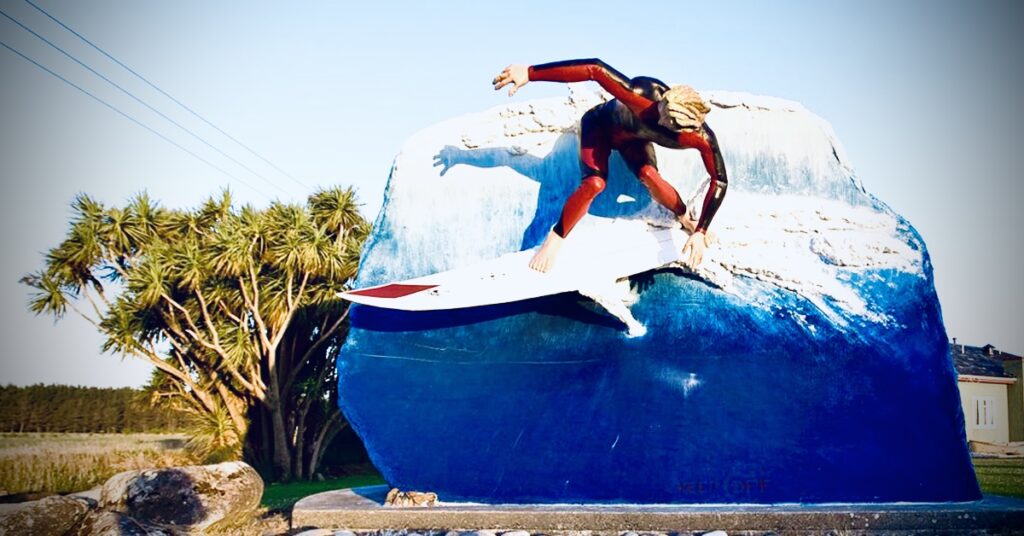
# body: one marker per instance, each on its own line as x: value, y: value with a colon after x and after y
x: 682, y: 108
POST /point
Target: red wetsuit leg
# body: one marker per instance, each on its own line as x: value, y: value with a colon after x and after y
x: 639, y: 156
x: 578, y: 204
x: 595, y: 147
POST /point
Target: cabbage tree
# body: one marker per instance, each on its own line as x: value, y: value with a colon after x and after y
x: 234, y: 307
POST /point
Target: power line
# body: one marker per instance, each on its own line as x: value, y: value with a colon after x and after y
x: 132, y: 119
x: 164, y: 93
x: 140, y: 101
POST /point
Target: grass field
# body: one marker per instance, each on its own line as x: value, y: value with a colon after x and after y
x: 1000, y: 476
x: 64, y: 463
x: 284, y: 496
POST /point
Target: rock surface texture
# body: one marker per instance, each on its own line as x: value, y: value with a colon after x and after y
x: 52, y: 515
x: 194, y: 499
x: 207, y: 499
x: 805, y: 360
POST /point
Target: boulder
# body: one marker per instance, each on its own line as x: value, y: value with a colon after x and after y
x: 805, y: 360
x: 190, y: 500
x: 107, y: 523
x: 52, y: 516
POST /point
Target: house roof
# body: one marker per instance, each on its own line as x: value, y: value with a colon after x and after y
x: 980, y: 360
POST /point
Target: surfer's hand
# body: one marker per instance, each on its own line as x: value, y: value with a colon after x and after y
x: 709, y: 238
x: 690, y: 225
x: 445, y: 158
x: 687, y: 222
x: 517, y: 75
x: 695, y: 244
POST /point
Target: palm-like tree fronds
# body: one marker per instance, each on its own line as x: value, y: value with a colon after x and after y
x: 235, y: 307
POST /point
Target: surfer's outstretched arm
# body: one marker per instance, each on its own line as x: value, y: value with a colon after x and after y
x: 614, y: 82
x: 611, y: 80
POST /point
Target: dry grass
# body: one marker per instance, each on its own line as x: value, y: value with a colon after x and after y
x: 265, y: 523
x: 64, y: 463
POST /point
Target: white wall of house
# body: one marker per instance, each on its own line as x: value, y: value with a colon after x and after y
x: 985, y: 411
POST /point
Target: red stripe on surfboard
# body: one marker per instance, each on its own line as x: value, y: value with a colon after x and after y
x: 394, y: 290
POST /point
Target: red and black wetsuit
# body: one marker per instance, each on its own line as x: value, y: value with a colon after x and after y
x: 629, y: 124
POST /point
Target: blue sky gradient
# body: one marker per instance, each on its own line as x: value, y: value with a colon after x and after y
x: 924, y: 96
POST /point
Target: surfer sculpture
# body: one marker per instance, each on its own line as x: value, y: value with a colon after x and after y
x: 644, y: 111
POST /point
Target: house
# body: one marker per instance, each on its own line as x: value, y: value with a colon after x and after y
x: 991, y: 386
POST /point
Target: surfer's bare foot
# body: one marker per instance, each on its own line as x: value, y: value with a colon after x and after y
x: 544, y: 259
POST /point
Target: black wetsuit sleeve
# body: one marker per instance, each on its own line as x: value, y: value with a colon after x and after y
x: 715, y: 165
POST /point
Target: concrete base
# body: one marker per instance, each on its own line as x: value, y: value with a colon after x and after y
x: 362, y: 509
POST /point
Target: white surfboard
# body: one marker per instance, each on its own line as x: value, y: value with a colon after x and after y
x: 599, y: 252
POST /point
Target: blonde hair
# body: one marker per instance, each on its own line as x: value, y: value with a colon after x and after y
x: 684, y: 107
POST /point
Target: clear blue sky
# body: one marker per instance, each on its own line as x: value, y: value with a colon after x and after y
x: 924, y: 95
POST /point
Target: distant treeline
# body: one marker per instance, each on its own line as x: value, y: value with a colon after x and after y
x: 64, y: 408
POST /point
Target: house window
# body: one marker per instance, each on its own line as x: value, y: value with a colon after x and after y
x: 984, y: 412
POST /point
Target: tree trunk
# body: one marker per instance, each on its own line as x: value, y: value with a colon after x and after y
x: 266, y: 452
x: 282, y: 453
x: 300, y: 435
x: 230, y: 403
x: 299, y: 427
x: 298, y: 454
x: 282, y: 457
x: 331, y: 428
